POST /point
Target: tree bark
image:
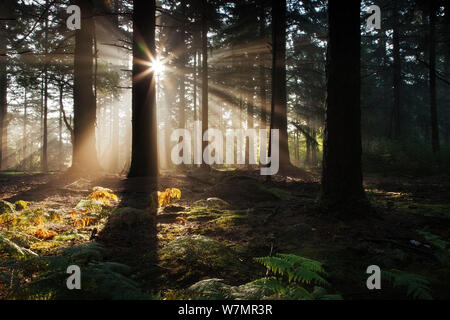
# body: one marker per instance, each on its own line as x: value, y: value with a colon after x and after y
x: 84, y: 121
x: 433, y: 7
x: 24, y: 136
x: 262, y: 71
x: 205, y: 108
x: 278, y: 117
x: 342, y: 173
x: 397, y: 107
x: 144, y: 154
x: 4, y: 9
x: 44, y: 159
x: 447, y: 66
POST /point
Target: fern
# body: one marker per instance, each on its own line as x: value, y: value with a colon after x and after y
x: 296, y: 268
x: 100, y: 279
x: 416, y: 286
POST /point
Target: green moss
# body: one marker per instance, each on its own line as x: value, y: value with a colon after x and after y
x: 21, y: 205
x: 433, y: 210
x: 6, y: 207
x: 192, y: 257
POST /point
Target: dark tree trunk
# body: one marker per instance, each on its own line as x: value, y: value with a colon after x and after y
x: 433, y: 7
x: 397, y: 107
x: 84, y: 146
x: 182, y: 52
x: 342, y: 174
x: 262, y: 71
x: 204, y: 74
x: 4, y: 9
x: 24, y: 136
x: 144, y: 154
x: 44, y: 160
x: 447, y: 66
x: 279, y: 100
x: 60, y: 142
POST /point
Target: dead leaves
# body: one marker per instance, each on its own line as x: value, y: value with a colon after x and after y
x: 103, y: 196
x: 162, y: 199
x: 99, y: 197
x: 44, y: 234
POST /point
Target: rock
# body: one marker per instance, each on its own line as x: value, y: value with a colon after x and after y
x: 217, y: 202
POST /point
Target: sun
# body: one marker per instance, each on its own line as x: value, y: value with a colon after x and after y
x: 157, y: 66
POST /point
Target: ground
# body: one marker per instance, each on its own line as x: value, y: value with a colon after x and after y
x: 191, y: 239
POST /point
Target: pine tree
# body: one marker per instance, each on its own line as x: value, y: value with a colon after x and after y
x: 144, y: 160
x: 342, y: 173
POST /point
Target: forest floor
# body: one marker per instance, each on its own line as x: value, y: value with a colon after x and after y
x: 226, y: 218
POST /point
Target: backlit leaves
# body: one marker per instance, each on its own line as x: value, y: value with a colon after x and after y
x: 103, y: 195
x: 162, y: 199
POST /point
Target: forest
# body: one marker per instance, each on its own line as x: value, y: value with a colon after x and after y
x: 224, y: 150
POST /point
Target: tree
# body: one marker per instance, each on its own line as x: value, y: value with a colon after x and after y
x: 433, y: 8
x: 44, y: 156
x: 84, y: 146
x: 447, y: 65
x: 396, y: 121
x: 205, y: 109
x: 278, y: 117
x: 5, y: 7
x: 262, y: 71
x: 144, y: 159
x: 342, y: 173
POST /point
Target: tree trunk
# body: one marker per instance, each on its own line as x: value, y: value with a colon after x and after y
x: 182, y: 52
x: 204, y: 75
x: 84, y: 121
x: 278, y: 117
x: 397, y: 108
x: 114, y: 164
x: 144, y: 154
x: 3, y: 83
x: 433, y: 7
x: 24, y: 136
x: 447, y: 67
x: 44, y: 160
x: 262, y: 71
x: 342, y: 173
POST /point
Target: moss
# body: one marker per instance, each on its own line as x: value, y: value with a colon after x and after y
x: 192, y: 257
x: 6, y: 207
x: 21, y: 205
x: 432, y: 210
x: 230, y: 220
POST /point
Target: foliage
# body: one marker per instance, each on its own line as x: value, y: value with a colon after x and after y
x: 416, y: 286
x: 435, y: 240
x: 162, y: 199
x: 44, y: 234
x: 442, y: 252
x: 20, y: 205
x: 10, y: 247
x: 100, y: 279
x: 6, y: 207
x: 103, y: 196
x: 297, y: 269
x: 190, y: 256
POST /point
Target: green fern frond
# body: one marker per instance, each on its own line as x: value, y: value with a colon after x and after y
x: 416, y: 286
x: 276, y: 265
x: 296, y: 268
x: 297, y: 261
x: 306, y: 276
